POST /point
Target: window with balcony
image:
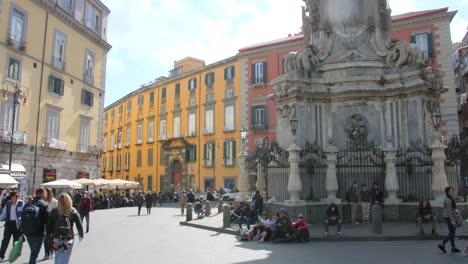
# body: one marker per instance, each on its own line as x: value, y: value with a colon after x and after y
x: 176, y: 127
x: 425, y: 42
x: 119, y: 138
x: 177, y: 91
x: 92, y: 17
x: 229, y: 94
x: 84, y: 135
x: 7, y: 116
x: 229, y: 75
x: 53, y: 123
x: 192, y: 102
x: 229, y: 153
x: 151, y: 131
x: 209, y: 154
x: 192, y: 85
x: 119, y: 162
x: 129, y: 106
x: 111, y: 163
x: 162, y: 129
x: 17, y: 29
x: 58, y: 55
x: 104, y: 144
x: 127, y: 161
x: 89, y: 67
x: 13, y: 68
x: 87, y: 98
x: 192, y: 117
x: 151, y: 99
x: 140, y: 133
x: 150, y: 157
x: 229, y: 118
x: 259, y: 118
x: 56, y: 85
x: 209, y: 80
x: 259, y: 73
x: 140, y: 101
x: 191, y: 153
x: 127, y: 137
x: 209, y: 121
x: 210, y: 98
x: 163, y: 94
x: 139, y: 152
x: 112, y: 141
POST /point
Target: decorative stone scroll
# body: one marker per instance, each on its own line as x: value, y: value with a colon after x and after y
x: 402, y: 53
x: 287, y: 111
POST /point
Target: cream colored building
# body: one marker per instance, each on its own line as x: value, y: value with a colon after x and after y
x: 56, y: 51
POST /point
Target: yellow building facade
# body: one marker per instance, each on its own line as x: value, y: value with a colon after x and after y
x: 178, y: 132
x: 54, y: 54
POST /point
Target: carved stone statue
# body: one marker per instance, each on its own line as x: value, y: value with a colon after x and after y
x: 357, y: 127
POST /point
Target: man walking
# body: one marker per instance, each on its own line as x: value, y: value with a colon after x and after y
x: 139, y: 199
x: 11, y: 214
x: 33, y: 221
x: 365, y: 198
x: 84, y: 208
x: 353, y: 200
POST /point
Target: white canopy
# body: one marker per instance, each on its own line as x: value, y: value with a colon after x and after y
x: 84, y: 181
x: 6, y: 180
x: 63, y: 184
x: 99, y: 182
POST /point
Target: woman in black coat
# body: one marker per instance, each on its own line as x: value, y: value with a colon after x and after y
x: 149, y: 202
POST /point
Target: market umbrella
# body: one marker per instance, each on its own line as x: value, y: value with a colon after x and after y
x: 6, y: 180
x: 63, y: 184
x: 99, y: 182
x: 123, y: 184
x: 84, y: 181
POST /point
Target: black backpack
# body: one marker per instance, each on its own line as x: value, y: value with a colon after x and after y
x: 31, y: 223
x: 63, y: 228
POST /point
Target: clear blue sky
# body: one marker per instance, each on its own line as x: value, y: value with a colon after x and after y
x: 149, y: 35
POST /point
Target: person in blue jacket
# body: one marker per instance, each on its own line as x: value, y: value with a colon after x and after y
x: 11, y: 214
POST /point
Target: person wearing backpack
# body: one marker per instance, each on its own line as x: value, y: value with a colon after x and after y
x: 84, y: 207
x: 60, y: 228
x: 51, y: 204
x: 11, y: 214
x: 33, y: 222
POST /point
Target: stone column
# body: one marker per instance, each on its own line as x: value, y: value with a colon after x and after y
x: 439, y: 178
x: 331, y: 182
x: 294, y: 181
x: 243, y: 177
x: 260, y: 178
x: 391, y: 179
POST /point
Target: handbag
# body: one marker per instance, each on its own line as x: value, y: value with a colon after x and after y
x: 458, y: 219
x: 15, y: 252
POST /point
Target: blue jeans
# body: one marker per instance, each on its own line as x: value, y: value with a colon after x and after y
x: 329, y: 222
x: 35, y: 243
x: 62, y: 256
x: 451, y: 235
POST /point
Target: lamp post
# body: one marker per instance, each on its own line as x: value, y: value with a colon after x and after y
x: 19, y: 93
x: 243, y: 179
x: 294, y: 181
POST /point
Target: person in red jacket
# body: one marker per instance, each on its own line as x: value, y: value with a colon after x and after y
x: 301, y: 229
x: 84, y: 208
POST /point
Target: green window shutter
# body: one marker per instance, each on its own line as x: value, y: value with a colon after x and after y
x: 265, y: 114
x: 212, y: 78
x: 413, y: 39
x: 233, y: 71
x: 51, y: 83
x: 253, y: 115
x: 206, y: 79
x: 62, y: 86
x: 188, y: 84
x: 234, y: 149
x: 430, y: 45
x: 265, y: 78
x: 177, y: 88
x: 194, y: 152
x: 213, y: 151
x: 187, y: 154
x: 253, y: 73
x: 225, y: 155
x: 91, y: 99
x: 83, y: 96
x: 225, y: 73
x: 205, y: 147
x: 163, y: 93
x: 194, y: 83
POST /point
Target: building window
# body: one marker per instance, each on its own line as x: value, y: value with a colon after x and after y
x: 150, y: 183
x: 65, y: 4
x: 140, y: 101
x: 127, y: 137
x: 53, y: 124
x: 84, y: 135
x: 139, y: 158
x: 177, y: 91
x: 424, y: 41
x: 191, y: 125
x: 89, y: 67
x: 150, y: 157
x: 92, y: 17
x: 119, y: 138
x: 229, y: 183
x: 111, y: 163
x: 119, y: 162
x: 209, y: 119
x: 229, y: 118
x: 17, y: 31
x: 120, y: 110
x: 140, y: 133
x: 127, y: 161
x: 13, y: 70
x: 56, y: 85
x: 192, y: 102
x: 150, y: 131
x: 104, y: 144
x: 163, y: 109
x: 209, y: 80
x: 112, y: 142
x: 176, y: 72
x: 163, y: 94
x: 162, y: 129
x: 191, y: 153
x: 129, y: 106
x: 229, y: 93
x: 229, y: 75
x: 151, y: 99
x: 58, y: 56
x: 177, y: 107
x: 259, y: 73
x: 192, y: 84
x: 106, y: 116
x: 87, y: 98
x: 210, y: 98
x: 112, y: 115
x: 209, y: 153
x: 259, y: 118
x: 7, y: 115
x: 103, y: 165
x: 176, y: 127
x: 229, y: 153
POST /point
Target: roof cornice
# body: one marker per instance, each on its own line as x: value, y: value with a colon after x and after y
x: 272, y: 48
x: 73, y: 23
x: 424, y: 19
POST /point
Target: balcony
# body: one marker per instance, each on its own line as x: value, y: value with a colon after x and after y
x: 191, y: 134
x: 208, y: 163
x: 88, y: 78
x: 85, y: 149
x: 208, y: 131
x: 229, y: 82
x: 150, y: 140
x: 118, y: 146
x: 139, y: 141
x: 16, y: 42
x: 161, y: 138
x: 177, y: 135
x: 53, y: 143
x: 259, y: 126
x: 127, y: 144
x: 58, y: 63
x: 229, y: 162
x: 18, y: 137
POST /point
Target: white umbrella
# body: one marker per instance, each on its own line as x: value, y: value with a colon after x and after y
x: 84, y: 181
x: 63, y: 184
x: 6, y: 180
x: 99, y: 182
x: 123, y: 184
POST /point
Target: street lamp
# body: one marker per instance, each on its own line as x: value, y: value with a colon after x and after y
x: 243, y: 134
x: 436, y: 116
x: 293, y: 123
x: 19, y: 93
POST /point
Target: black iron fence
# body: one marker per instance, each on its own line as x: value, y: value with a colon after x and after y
x: 313, y: 172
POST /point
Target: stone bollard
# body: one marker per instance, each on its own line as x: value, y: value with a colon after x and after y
x: 188, y: 215
x: 226, y: 216
x: 220, y: 206
x: 208, y: 208
x: 377, y: 219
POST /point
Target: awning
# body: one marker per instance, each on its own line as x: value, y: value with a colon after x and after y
x: 17, y: 169
x: 7, y: 180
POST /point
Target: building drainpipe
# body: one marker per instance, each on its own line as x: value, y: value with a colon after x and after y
x: 39, y: 101
x: 199, y: 132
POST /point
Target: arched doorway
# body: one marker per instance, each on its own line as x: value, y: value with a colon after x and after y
x: 177, y: 174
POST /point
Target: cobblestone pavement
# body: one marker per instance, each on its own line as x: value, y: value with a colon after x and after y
x: 120, y: 236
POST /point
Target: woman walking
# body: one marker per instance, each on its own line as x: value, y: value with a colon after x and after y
x: 449, y: 216
x: 182, y: 200
x: 60, y: 228
x: 51, y: 204
x: 149, y: 202
x: 11, y: 214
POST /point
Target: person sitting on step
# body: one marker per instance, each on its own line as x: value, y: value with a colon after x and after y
x: 199, y: 209
x: 425, y: 215
x: 301, y: 229
x: 333, y: 217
